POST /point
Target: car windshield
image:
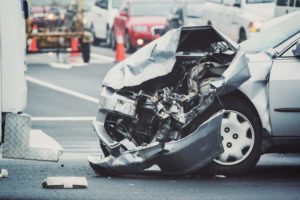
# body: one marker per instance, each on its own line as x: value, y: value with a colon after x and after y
x: 150, y: 8
x: 259, y: 1
x: 116, y: 3
x: 282, y: 28
x: 194, y: 10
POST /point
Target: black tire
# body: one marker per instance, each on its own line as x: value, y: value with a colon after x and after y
x: 108, y: 37
x: 253, y: 154
x: 113, y: 40
x: 128, y: 46
x: 86, y: 50
x: 96, y: 41
x: 242, y: 36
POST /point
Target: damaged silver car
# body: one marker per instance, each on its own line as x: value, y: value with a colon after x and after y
x: 194, y: 99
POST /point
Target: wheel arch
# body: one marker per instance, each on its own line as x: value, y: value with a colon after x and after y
x: 239, y: 94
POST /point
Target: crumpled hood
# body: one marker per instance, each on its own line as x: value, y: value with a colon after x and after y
x: 158, y: 57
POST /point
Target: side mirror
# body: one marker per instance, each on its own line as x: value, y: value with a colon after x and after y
x: 124, y: 14
x: 229, y: 2
x: 296, y: 52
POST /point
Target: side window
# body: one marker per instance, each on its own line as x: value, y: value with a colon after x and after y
x: 282, y: 2
x: 102, y: 4
x: 291, y: 4
x: 290, y: 52
x: 297, y: 3
x: 237, y: 3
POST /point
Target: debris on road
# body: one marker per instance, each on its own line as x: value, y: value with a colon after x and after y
x: 4, y: 173
x: 65, y: 182
x: 219, y: 176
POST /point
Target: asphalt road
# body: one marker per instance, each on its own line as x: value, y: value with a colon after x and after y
x: 67, y: 117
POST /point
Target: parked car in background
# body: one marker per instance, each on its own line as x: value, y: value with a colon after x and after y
x: 186, y: 13
x: 141, y: 21
x: 103, y: 13
x: 38, y: 14
x: 238, y: 19
x: 286, y: 6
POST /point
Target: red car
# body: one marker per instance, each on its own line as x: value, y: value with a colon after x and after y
x: 141, y: 21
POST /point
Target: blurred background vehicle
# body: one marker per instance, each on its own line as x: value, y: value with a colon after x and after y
x: 286, y: 6
x: 58, y: 26
x: 38, y: 14
x: 141, y: 21
x: 186, y: 13
x: 238, y: 19
x: 103, y: 13
x: 88, y: 17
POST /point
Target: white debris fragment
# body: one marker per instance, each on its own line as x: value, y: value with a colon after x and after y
x: 219, y: 176
x: 65, y: 182
x: 4, y: 173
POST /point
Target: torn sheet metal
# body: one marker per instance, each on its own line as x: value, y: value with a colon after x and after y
x: 177, y: 157
x: 257, y: 87
x: 158, y: 58
x: 65, y: 182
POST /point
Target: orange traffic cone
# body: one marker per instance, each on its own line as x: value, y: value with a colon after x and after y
x: 74, y: 47
x: 120, y: 49
x: 33, y: 43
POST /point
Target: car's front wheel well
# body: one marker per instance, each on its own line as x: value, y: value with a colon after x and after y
x: 237, y: 94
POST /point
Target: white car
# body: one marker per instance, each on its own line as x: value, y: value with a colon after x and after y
x: 103, y: 13
x: 238, y: 19
x: 286, y: 6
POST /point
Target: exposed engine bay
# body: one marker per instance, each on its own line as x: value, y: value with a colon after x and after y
x: 161, y: 108
x: 149, y: 111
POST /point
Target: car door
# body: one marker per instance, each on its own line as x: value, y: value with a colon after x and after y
x: 101, y: 11
x: 284, y: 94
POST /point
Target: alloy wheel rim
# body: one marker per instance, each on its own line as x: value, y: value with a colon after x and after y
x: 237, y: 138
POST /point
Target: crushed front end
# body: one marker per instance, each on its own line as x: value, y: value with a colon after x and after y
x: 153, y: 105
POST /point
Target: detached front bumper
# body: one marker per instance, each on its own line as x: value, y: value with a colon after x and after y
x: 177, y: 157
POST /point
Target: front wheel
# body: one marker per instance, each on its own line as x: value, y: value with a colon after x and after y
x: 128, y: 46
x: 241, y: 139
x: 242, y: 36
x: 113, y: 42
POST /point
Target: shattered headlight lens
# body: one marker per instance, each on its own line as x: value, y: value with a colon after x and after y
x: 140, y: 28
x: 255, y: 26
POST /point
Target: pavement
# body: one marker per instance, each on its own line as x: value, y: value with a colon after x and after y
x: 62, y: 99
